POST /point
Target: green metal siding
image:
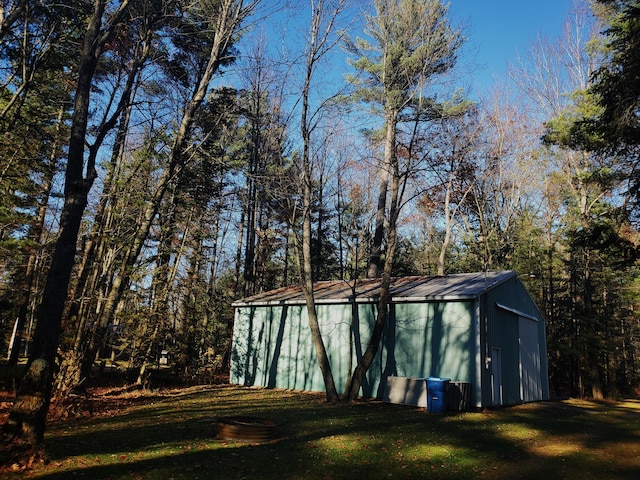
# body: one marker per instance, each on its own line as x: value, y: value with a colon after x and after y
x: 272, y: 345
x: 503, y: 334
x: 431, y: 339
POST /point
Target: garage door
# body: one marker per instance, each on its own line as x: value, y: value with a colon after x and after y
x: 530, y: 381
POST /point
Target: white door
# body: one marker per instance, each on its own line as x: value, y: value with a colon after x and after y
x: 496, y: 376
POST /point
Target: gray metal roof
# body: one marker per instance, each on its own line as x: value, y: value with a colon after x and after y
x: 461, y: 286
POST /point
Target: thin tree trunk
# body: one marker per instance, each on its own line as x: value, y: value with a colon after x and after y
x: 238, y: 261
x: 251, y: 199
x: 447, y: 228
x: 316, y: 253
x: 340, y: 218
x: 306, y: 269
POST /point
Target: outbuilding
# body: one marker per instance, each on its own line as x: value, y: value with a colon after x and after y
x: 481, y: 330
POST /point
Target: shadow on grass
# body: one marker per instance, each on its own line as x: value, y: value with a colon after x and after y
x: 175, y: 438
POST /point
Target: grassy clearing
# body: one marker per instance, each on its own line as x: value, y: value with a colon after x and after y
x: 172, y: 436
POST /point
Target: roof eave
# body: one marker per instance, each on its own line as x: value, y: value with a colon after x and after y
x: 362, y: 300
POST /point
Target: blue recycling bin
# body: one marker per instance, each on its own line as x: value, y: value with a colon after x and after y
x: 437, y: 394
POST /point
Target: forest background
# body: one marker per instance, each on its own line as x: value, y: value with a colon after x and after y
x: 160, y: 159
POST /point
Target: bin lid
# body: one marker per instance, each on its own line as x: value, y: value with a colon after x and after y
x: 438, y: 379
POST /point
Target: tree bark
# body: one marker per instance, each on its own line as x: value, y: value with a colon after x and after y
x: 375, y: 257
x: 446, y: 241
x: 74, y: 365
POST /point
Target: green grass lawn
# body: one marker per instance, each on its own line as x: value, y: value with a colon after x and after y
x: 173, y: 436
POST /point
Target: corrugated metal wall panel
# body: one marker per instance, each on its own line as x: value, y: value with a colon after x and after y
x: 272, y: 345
x: 433, y: 339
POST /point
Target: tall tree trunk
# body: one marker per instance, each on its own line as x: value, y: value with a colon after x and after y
x: 593, y: 336
x: 74, y: 363
x: 251, y: 200
x: 375, y: 256
x: 340, y: 218
x: 238, y: 259
x: 316, y: 253
x: 249, y: 271
x: 316, y: 48
x: 27, y: 419
x: 590, y: 329
x: 447, y: 227
x: 382, y: 315
x: 306, y: 273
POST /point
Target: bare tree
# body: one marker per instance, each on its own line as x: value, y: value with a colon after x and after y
x: 323, y: 17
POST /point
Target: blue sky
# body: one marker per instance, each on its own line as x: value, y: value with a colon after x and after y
x: 498, y: 29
